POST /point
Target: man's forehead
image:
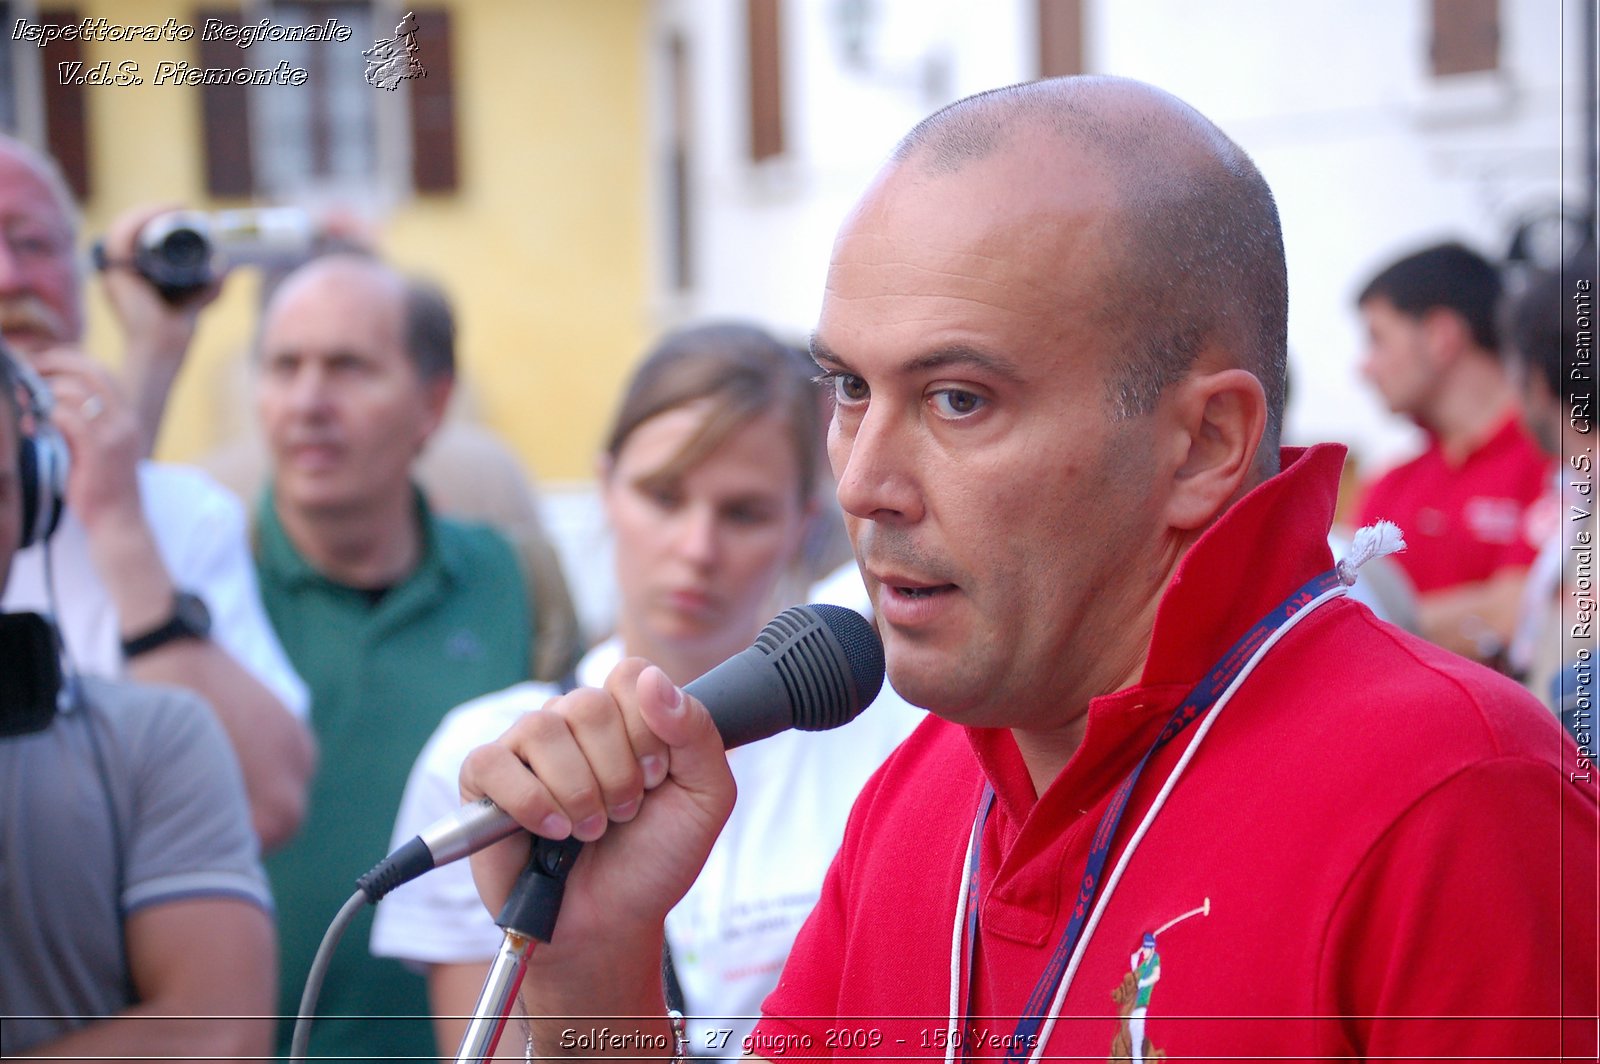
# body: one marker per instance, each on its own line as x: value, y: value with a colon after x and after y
x: 356, y: 284
x: 1379, y: 313
x: 924, y: 253
x: 23, y: 190
x: 334, y: 309
x: 1021, y: 218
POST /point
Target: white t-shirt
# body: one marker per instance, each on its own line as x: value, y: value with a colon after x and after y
x: 731, y: 933
x: 201, y: 535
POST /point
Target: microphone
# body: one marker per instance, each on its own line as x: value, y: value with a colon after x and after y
x: 812, y: 667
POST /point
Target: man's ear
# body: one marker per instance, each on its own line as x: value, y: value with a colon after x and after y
x: 436, y: 392
x: 1445, y: 334
x: 1221, y: 417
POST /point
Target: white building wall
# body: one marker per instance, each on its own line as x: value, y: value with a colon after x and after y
x: 1369, y: 157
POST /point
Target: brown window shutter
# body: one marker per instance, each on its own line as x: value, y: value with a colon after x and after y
x: 1466, y: 36
x: 225, y: 117
x: 66, y: 123
x: 766, y: 79
x: 1060, y: 37
x: 433, y: 108
x: 679, y: 201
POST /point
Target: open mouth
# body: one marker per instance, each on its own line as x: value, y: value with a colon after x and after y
x: 924, y: 592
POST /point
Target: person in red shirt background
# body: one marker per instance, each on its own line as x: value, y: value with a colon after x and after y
x: 1433, y: 354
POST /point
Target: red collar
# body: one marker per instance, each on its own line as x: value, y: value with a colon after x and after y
x: 1266, y: 545
x: 1507, y: 433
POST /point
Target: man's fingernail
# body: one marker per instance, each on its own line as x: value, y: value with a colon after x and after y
x: 555, y: 826
x: 589, y: 828
x: 669, y: 691
x: 654, y: 767
x: 625, y: 811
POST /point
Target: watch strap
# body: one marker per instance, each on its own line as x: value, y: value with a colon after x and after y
x: 189, y: 620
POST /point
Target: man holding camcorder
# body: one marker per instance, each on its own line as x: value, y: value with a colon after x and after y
x: 149, y: 575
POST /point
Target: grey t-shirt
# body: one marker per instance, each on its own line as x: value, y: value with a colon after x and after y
x: 148, y: 764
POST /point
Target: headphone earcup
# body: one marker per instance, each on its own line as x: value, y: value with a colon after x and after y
x: 28, y: 475
x: 43, y: 472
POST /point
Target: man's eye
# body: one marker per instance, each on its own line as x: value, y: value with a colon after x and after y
x: 30, y: 244
x: 748, y: 515
x: 955, y: 403
x: 848, y: 388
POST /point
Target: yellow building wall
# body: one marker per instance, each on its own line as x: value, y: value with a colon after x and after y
x: 543, y: 247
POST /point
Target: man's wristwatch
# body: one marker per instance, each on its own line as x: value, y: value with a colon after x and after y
x: 190, y: 620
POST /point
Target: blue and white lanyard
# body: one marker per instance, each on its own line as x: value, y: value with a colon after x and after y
x: 1039, y: 1013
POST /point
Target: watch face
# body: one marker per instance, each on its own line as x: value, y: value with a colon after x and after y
x: 190, y: 612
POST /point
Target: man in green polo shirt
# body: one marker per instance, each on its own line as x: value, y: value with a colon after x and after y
x: 391, y: 614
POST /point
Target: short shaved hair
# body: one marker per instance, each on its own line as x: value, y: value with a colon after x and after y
x: 1198, y: 257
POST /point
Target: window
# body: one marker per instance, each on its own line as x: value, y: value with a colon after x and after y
x: 766, y: 79
x: 35, y: 106
x: 336, y: 133
x: 9, y: 89
x: 1060, y: 38
x: 1465, y: 37
x: 679, y: 197
x: 324, y: 133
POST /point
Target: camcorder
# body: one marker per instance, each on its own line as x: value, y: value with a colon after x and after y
x: 182, y: 252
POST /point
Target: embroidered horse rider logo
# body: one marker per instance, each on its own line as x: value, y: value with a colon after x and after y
x: 1133, y: 996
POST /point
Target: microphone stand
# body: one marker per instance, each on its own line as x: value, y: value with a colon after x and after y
x: 529, y: 914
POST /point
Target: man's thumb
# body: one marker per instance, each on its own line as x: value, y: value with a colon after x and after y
x: 682, y: 722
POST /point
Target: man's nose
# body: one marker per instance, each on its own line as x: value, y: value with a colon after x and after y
x: 874, y: 459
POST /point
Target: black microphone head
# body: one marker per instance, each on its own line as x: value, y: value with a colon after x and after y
x: 830, y: 659
x: 812, y: 668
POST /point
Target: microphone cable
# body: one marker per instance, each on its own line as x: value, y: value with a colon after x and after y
x: 300, y: 1042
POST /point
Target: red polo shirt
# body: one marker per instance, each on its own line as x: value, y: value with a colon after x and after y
x: 1383, y: 838
x: 1463, y: 523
